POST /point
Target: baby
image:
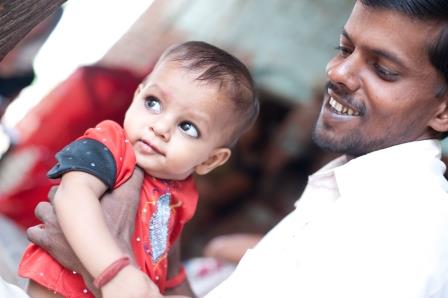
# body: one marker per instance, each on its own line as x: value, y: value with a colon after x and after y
x: 184, y: 118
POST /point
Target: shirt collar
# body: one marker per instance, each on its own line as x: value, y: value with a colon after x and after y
x: 401, y: 162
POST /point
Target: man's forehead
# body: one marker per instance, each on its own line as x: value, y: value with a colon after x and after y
x: 390, y: 33
x: 391, y: 20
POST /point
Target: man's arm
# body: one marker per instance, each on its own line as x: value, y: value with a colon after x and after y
x: 174, y: 267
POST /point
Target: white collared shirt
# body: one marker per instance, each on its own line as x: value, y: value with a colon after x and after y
x: 375, y: 226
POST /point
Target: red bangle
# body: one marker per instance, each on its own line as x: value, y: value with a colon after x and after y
x: 110, y: 272
x: 176, y: 280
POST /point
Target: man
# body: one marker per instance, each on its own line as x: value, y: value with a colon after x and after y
x: 374, y: 222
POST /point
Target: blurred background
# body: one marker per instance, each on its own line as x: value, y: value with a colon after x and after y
x: 82, y: 65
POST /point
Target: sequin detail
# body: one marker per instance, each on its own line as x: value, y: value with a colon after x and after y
x: 158, y: 227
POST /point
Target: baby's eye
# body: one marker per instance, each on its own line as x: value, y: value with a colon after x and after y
x: 153, y: 103
x: 190, y: 129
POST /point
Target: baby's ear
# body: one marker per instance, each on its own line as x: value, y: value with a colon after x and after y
x: 218, y: 157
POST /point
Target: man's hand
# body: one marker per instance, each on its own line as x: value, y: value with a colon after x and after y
x: 119, y: 208
x: 48, y: 235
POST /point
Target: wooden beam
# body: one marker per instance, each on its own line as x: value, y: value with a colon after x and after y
x: 18, y: 17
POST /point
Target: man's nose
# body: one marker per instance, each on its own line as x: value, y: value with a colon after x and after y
x: 345, y: 72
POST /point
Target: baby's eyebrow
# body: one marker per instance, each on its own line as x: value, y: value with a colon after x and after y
x: 159, y: 89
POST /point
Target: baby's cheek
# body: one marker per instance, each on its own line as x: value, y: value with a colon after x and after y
x: 185, y: 165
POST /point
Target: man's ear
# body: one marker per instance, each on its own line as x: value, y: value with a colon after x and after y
x: 440, y: 121
x: 218, y: 157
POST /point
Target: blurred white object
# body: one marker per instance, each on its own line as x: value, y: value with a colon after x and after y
x: 12, y: 245
x: 11, y: 291
x: 204, y: 274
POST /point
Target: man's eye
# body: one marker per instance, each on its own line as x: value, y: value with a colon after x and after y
x: 153, y: 104
x: 384, y: 73
x: 190, y: 129
x: 344, y: 51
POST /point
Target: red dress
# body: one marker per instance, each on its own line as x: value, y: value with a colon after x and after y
x: 164, y: 207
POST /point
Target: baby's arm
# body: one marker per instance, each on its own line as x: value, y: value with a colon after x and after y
x: 79, y: 213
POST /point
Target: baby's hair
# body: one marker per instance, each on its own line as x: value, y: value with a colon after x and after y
x: 217, y: 67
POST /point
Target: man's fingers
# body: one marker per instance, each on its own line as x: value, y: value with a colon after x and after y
x: 36, y: 234
x: 52, y: 193
x: 44, y: 211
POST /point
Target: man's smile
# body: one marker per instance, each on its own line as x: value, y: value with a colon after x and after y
x: 340, y: 108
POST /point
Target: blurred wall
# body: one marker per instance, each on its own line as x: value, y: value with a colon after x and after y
x: 286, y: 42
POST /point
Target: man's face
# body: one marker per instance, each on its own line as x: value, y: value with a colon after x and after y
x: 381, y: 86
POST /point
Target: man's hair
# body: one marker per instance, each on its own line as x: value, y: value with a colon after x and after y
x: 425, y: 10
x: 217, y: 67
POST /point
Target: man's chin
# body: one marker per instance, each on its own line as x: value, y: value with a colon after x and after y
x: 325, y: 144
x: 347, y: 145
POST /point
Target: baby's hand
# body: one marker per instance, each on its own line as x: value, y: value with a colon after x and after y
x: 130, y: 282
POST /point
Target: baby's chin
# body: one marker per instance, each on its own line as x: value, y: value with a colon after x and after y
x: 163, y: 175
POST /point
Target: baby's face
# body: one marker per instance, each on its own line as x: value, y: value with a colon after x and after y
x: 177, y: 125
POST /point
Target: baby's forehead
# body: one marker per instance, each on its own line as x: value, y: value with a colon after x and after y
x: 176, y: 68
x: 219, y: 86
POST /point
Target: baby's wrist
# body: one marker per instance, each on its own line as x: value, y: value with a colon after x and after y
x: 111, y: 271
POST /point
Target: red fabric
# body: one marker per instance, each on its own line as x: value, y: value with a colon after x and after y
x: 90, y: 95
x: 109, y: 273
x: 182, y: 206
x: 37, y: 265
x: 178, y: 279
